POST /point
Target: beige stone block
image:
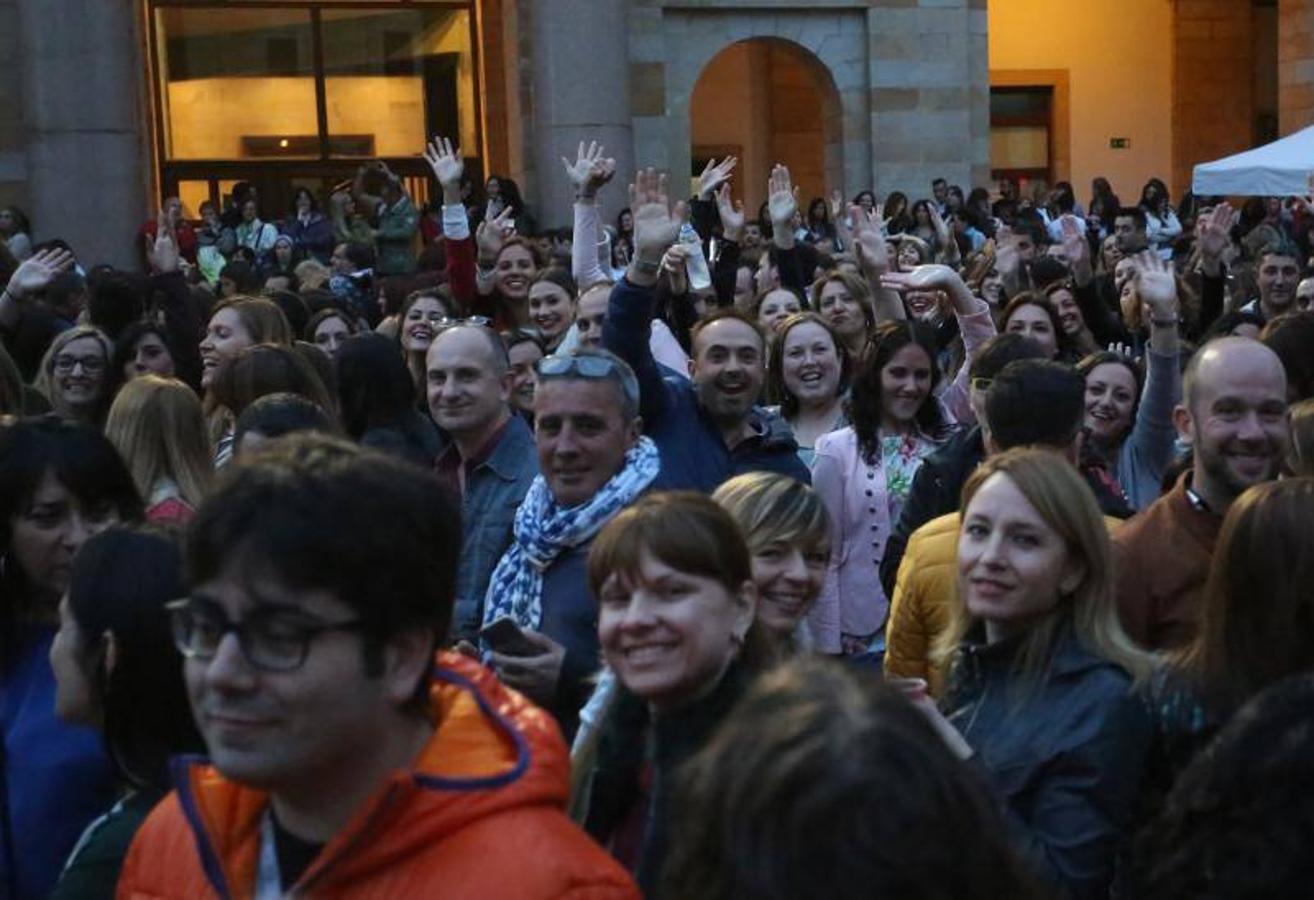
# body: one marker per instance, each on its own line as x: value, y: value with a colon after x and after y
x: 648, y: 88
x: 894, y: 98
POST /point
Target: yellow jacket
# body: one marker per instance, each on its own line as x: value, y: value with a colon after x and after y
x: 919, y: 610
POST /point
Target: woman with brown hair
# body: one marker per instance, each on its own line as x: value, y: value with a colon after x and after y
x: 234, y: 325
x: 808, y: 374
x: 676, y: 603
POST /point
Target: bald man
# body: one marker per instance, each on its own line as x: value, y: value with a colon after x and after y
x: 1233, y: 414
x: 490, y: 462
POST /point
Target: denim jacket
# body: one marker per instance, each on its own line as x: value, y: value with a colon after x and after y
x: 493, y: 493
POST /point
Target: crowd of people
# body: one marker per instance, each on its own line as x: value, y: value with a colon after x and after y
x: 959, y: 547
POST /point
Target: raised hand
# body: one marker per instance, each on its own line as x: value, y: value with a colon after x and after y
x: 836, y: 205
x: 922, y: 278
x: 37, y: 271
x: 732, y: 215
x: 1156, y: 285
x: 714, y: 175
x: 448, y: 166
x: 673, y: 266
x: 1077, y: 249
x: 869, y: 239
x: 656, y: 222
x: 1216, y: 233
x: 493, y: 232
x: 590, y: 171
x: 782, y: 198
x: 938, y: 223
x: 162, y: 252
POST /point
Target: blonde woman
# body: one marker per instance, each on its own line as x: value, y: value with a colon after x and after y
x: 158, y: 428
x: 784, y: 522
x: 74, y: 374
x: 1040, y: 688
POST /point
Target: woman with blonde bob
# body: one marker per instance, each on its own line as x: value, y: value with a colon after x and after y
x: 74, y: 374
x: 784, y: 523
x: 158, y: 428
x: 1041, y: 677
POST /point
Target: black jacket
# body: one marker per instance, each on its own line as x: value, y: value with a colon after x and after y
x: 1066, y: 755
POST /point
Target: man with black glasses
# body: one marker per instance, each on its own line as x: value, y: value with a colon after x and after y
x: 345, y: 760
x: 593, y: 463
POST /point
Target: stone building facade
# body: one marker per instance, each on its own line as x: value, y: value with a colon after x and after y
x: 900, y: 92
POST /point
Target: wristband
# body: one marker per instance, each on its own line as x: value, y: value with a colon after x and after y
x: 1165, y: 323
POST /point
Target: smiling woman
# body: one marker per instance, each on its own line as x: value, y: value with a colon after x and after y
x: 676, y: 598
x: 74, y: 374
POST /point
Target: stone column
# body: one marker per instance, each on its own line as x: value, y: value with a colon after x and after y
x: 1295, y: 65
x: 928, y: 116
x: 581, y: 90
x: 82, y: 75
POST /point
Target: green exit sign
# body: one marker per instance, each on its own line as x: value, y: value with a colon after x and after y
x: 1119, y: 143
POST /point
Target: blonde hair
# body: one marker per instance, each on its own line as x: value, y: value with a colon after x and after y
x: 45, y: 380
x: 769, y: 507
x: 1300, y: 455
x: 1064, y: 501
x: 158, y: 428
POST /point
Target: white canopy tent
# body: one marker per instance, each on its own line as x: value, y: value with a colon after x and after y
x: 1280, y: 169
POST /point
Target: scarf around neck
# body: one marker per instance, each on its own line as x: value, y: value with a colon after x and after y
x: 543, y: 530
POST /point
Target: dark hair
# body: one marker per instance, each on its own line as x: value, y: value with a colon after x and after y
x: 1035, y: 401
x: 1240, y: 819
x: 1291, y: 337
x: 294, y: 308
x: 1088, y: 363
x: 1265, y: 549
x: 441, y: 294
x: 275, y: 415
x: 821, y: 784
x: 314, y: 201
x: 1132, y: 212
x: 1000, y: 350
x: 1047, y: 271
x: 22, y: 224
x: 125, y: 350
x: 323, y: 315
x: 360, y: 255
x: 726, y: 312
x: 1061, y: 339
x: 1224, y: 324
x: 115, y: 301
x: 121, y: 580
x: 865, y: 407
x: 517, y: 336
x: 243, y: 275
x: 268, y: 369
x: 81, y: 459
x: 374, y: 385
x: 319, y: 513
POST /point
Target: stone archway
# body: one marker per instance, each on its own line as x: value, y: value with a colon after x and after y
x: 829, y: 44
x: 769, y: 101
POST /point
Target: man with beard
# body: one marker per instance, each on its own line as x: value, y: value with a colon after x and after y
x: 1234, y: 414
x: 710, y: 428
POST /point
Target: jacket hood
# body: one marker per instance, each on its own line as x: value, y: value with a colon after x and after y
x: 491, y: 751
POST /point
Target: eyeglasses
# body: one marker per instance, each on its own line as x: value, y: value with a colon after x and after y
x: 92, y: 365
x: 589, y: 366
x: 981, y: 384
x: 271, y: 640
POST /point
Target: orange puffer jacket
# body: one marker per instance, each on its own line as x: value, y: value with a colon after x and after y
x: 481, y: 816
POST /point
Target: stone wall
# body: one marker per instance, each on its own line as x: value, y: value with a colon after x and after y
x: 13, y: 155
x: 1213, y: 83
x: 1295, y: 65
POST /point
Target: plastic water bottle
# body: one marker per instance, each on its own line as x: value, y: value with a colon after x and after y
x: 695, y: 263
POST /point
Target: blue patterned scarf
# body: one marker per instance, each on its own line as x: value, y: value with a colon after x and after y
x: 543, y: 530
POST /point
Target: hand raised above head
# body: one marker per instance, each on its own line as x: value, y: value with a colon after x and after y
x: 656, y: 221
